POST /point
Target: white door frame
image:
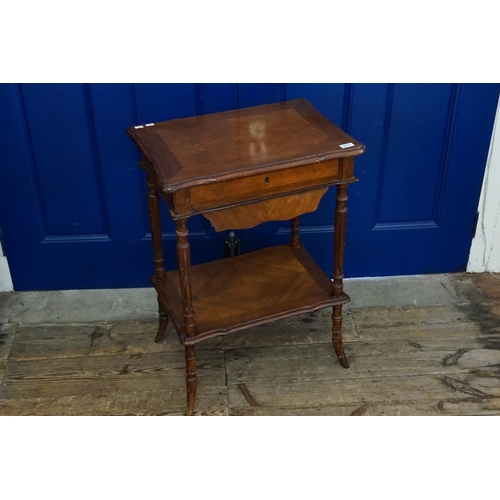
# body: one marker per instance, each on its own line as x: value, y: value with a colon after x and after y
x: 485, y: 248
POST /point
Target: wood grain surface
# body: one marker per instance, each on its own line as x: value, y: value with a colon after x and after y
x: 217, y: 147
x: 246, y: 290
x: 6, y: 339
x: 281, y: 208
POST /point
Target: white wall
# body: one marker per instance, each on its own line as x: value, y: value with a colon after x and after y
x: 5, y: 279
x: 485, y: 248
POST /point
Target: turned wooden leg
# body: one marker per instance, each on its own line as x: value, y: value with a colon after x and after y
x: 295, y: 236
x: 338, y: 271
x: 191, y: 380
x: 163, y: 321
x: 159, y: 274
x: 337, y: 336
x: 154, y: 220
x: 184, y: 261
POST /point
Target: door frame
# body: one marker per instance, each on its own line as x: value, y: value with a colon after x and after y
x: 485, y: 247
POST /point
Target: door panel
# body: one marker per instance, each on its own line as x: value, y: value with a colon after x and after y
x: 61, y: 143
x: 73, y: 209
x: 414, y: 147
x: 255, y: 94
x: 403, y: 242
x: 73, y: 205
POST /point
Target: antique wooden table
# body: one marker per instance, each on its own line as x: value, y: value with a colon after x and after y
x: 241, y: 168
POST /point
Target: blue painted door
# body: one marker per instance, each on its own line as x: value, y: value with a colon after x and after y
x: 73, y: 207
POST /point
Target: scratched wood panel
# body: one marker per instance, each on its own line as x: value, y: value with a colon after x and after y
x: 394, y: 319
x: 456, y: 330
x: 368, y: 359
x: 452, y: 394
x: 106, y: 374
x: 170, y: 401
x: 3, y: 366
x: 427, y: 408
x: 100, y: 339
x: 374, y: 317
x: 460, y: 321
x: 7, y: 332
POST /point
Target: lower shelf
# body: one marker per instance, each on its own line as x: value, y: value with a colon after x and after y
x: 248, y: 290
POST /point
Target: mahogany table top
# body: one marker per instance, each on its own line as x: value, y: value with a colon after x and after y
x: 221, y: 146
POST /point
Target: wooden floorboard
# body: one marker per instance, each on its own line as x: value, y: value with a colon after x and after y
x: 432, y: 360
x: 101, y: 339
x: 371, y: 359
x: 408, y: 316
x: 169, y: 401
x: 3, y: 366
x: 458, y: 393
x: 106, y: 374
x: 7, y: 332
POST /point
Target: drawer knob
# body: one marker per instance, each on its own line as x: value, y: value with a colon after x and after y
x: 266, y: 180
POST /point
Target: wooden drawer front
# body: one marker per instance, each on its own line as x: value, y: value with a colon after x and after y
x: 278, y: 208
x: 263, y: 185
